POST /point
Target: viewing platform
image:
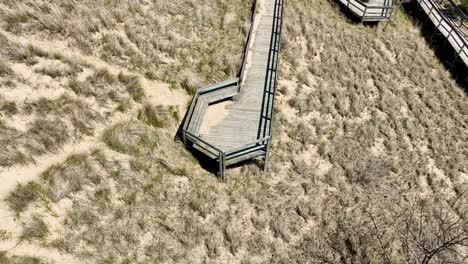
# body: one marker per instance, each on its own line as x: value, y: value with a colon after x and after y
x: 230, y: 122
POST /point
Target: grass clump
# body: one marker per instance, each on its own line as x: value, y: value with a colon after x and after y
x: 190, y: 89
x: 23, y: 195
x: 133, y: 86
x: 130, y: 137
x: 70, y: 176
x: 155, y: 116
x: 46, y: 135
x: 79, y: 87
x: 55, y: 70
x: 5, y: 69
x: 9, y: 108
x: 6, y: 259
x: 77, y: 110
x: 35, y: 229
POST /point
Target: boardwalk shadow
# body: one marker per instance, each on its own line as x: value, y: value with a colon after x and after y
x: 442, y: 48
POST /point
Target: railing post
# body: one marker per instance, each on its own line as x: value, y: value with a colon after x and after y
x: 364, y: 15
x: 224, y: 165
x: 221, y: 166
x: 267, y: 155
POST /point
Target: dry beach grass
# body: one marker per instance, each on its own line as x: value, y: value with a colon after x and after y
x: 369, y: 160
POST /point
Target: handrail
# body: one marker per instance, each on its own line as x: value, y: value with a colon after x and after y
x: 449, y: 35
x: 218, y: 86
x: 366, y: 11
x: 365, y: 6
x: 464, y: 16
x: 247, y: 145
x: 247, y: 45
x: 272, y: 66
x: 201, y: 91
x: 203, y: 141
x: 189, y: 116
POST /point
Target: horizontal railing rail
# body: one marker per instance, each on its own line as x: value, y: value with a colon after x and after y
x: 367, y: 11
x: 453, y: 35
x: 457, y: 13
x: 197, y: 139
x: 247, y: 145
x: 246, y: 52
x: 202, y: 91
x: 218, y: 86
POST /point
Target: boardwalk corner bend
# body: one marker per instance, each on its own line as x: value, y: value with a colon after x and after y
x: 245, y: 132
x: 370, y: 10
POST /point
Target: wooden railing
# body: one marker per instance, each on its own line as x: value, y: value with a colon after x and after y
x: 197, y: 95
x: 370, y: 12
x: 222, y: 156
x: 447, y: 27
x: 457, y: 13
x: 246, y: 52
x: 271, y: 79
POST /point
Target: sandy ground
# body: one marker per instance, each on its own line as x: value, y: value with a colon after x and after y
x: 156, y: 93
x: 22, y: 174
x: 214, y: 115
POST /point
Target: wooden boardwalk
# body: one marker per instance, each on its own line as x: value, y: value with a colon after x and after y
x: 454, y: 31
x: 372, y: 10
x: 241, y: 123
x: 244, y: 129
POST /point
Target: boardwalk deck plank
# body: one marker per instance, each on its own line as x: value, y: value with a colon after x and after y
x: 241, y: 123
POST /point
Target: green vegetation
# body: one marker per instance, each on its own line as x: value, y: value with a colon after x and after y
x: 153, y: 116
x: 465, y: 6
x: 35, y: 229
x: 22, y: 196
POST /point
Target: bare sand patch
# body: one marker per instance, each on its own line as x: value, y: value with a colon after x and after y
x: 214, y: 114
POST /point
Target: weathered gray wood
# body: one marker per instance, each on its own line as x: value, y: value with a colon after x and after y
x: 374, y: 10
x: 235, y: 137
x: 241, y: 123
x: 258, y: 153
x: 198, y: 114
x: 455, y: 36
x: 221, y: 94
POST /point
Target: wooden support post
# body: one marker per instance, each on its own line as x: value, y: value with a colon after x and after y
x: 267, y: 155
x: 364, y: 15
x: 224, y: 166
x: 221, y: 165
x: 184, y: 138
